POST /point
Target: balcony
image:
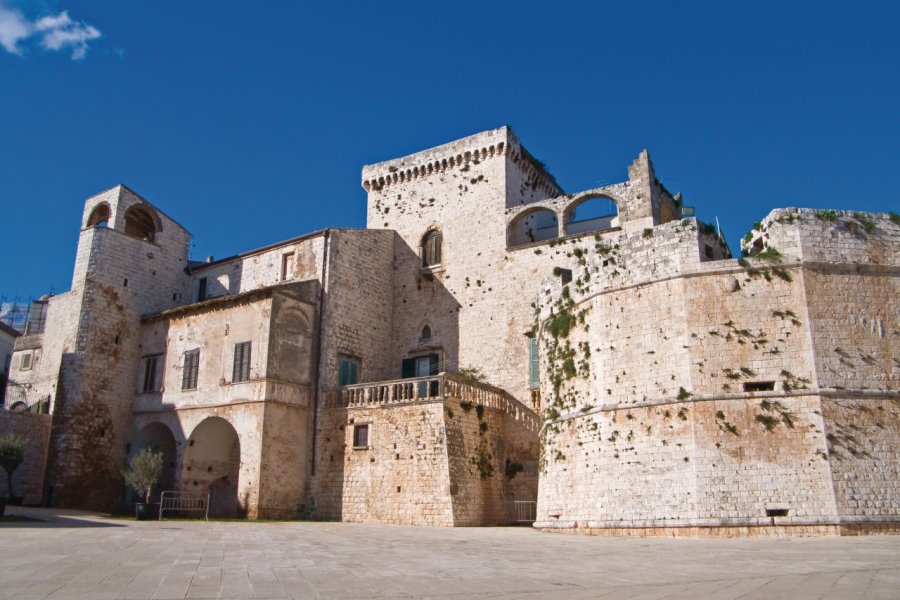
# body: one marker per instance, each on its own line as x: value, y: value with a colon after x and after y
x: 434, y: 388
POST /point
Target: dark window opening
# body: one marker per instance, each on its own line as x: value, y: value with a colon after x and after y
x: 426, y: 333
x: 191, y: 370
x: 361, y: 436
x: 348, y: 370
x: 431, y: 249
x: 201, y: 290
x: 708, y: 250
x: 776, y: 512
x: 241, y: 370
x: 152, y: 376
x: 759, y: 386
x: 565, y: 276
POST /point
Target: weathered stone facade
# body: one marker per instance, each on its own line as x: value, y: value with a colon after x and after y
x: 680, y: 390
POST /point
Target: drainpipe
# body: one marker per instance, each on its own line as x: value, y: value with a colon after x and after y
x: 320, y: 314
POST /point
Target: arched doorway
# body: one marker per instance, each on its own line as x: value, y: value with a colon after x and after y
x: 158, y: 437
x: 212, y: 461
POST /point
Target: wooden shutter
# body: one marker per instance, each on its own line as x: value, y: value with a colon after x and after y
x: 409, y: 368
x: 534, y: 374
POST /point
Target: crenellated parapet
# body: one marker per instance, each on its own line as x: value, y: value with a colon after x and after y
x: 459, y: 155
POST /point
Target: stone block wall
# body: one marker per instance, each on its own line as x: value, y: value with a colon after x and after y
x: 685, y: 393
x: 28, y: 479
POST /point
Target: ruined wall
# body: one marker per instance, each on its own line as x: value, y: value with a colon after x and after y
x: 28, y: 479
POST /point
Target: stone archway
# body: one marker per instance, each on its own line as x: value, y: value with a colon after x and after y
x: 159, y: 438
x: 212, y: 461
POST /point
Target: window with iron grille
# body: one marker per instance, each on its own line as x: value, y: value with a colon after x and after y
x: 241, y: 371
x: 152, y: 381
x: 191, y: 369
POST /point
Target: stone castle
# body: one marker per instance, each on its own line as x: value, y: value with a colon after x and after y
x: 488, y: 339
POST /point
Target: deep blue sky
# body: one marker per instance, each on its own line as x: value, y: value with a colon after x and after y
x: 249, y: 122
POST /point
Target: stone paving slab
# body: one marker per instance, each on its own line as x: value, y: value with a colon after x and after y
x: 77, y: 555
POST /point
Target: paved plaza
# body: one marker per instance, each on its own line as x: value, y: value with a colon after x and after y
x: 80, y: 556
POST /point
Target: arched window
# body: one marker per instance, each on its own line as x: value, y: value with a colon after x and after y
x: 593, y: 213
x: 431, y: 248
x: 537, y: 225
x: 140, y: 223
x: 426, y: 333
x: 99, y: 216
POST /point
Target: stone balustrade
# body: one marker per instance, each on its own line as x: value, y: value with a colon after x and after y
x: 439, y: 387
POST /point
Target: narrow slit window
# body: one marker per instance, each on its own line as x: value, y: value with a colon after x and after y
x: 534, y: 373
x: 287, y: 266
x: 152, y: 381
x: 759, y: 386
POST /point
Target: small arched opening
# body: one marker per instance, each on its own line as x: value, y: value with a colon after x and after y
x: 431, y: 248
x: 159, y: 438
x: 99, y: 216
x: 538, y: 225
x: 425, y: 336
x: 212, y: 462
x: 593, y: 213
x: 140, y: 223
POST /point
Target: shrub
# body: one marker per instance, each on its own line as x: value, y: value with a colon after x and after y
x: 12, y: 454
x: 144, y: 472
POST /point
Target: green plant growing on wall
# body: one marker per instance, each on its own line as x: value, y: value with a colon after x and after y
x: 894, y: 217
x: 683, y: 394
x: 466, y: 406
x: 826, y: 215
x: 473, y: 373
x: 483, y: 463
x: 513, y: 468
x: 12, y: 455
x: 144, y: 472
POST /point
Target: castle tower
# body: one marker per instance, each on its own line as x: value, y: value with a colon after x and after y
x: 130, y: 261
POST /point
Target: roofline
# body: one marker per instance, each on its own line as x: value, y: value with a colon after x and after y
x: 200, y: 266
x: 10, y: 330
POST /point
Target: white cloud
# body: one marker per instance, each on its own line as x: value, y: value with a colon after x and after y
x: 53, y: 32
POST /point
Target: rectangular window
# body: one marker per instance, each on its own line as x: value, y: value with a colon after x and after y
x: 361, y: 436
x: 534, y: 373
x: 152, y: 381
x: 287, y: 266
x: 241, y: 370
x: 201, y: 289
x: 26, y: 362
x: 191, y: 369
x: 759, y: 386
x: 348, y: 371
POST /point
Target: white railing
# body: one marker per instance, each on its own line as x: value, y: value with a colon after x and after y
x: 526, y: 511
x: 435, y: 387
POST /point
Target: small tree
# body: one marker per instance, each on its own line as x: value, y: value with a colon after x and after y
x: 12, y: 454
x: 144, y: 472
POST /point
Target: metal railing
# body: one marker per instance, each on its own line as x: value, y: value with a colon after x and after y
x: 526, y: 511
x: 435, y: 387
x: 175, y: 501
